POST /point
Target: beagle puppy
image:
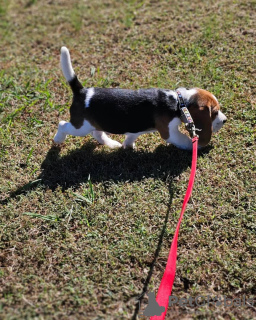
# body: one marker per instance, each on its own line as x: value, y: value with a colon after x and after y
x: 134, y: 112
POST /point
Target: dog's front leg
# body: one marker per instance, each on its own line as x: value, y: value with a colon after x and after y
x: 176, y: 137
x: 129, y: 142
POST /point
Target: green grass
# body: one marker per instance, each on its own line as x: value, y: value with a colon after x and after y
x: 86, y: 230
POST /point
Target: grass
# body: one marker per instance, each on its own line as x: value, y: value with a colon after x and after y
x: 74, y: 247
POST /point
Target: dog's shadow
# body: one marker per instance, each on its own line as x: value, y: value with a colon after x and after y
x: 117, y: 165
x: 71, y: 170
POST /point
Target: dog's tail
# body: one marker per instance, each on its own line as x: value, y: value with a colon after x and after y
x: 68, y: 71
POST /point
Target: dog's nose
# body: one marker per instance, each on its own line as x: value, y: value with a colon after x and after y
x: 224, y: 121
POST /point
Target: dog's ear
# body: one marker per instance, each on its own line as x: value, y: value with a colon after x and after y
x: 203, y: 121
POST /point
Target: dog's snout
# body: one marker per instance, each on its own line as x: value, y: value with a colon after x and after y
x: 224, y: 121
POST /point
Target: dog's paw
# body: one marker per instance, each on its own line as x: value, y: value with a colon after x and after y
x: 59, y: 138
x: 57, y: 144
x: 114, y: 144
x: 129, y: 146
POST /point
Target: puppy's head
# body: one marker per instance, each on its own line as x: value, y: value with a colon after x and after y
x: 205, y: 111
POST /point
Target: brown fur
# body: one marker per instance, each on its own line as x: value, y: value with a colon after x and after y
x: 203, y: 109
x: 161, y: 125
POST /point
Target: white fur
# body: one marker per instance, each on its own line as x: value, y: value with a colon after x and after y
x: 66, y: 66
x: 176, y: 137
x: 66, y: 128
x: 218, y: 121
x: 187, y: 93
x: 171, y: 93
x: 129, y: 140
x: 131, y: 137
x: 102, y: 138
x: 89, y: 95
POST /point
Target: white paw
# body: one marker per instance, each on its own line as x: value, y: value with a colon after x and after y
x: 129, y: 146
x: 60, y: 136
x: 114, y: 144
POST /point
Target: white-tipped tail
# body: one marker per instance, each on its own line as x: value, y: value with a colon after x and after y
x: 66, y: 65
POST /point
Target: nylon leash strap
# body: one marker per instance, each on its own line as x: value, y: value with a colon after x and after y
x: 165, y: 288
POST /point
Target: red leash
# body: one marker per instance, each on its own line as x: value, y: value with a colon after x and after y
x: 165, y: 287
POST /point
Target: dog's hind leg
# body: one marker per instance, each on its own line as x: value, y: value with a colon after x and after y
x: 66, y: 128
x: 102, y: 138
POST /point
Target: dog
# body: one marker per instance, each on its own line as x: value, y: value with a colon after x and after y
x: 100, y: 111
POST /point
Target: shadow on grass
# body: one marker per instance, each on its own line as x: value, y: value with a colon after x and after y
x: 157, y: 251
x: 71, y: 170
x: 117, y: 165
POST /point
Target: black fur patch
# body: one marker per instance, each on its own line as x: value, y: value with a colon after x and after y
x: 77, y: 109
x: 120, y: 110
x: 75, y: 85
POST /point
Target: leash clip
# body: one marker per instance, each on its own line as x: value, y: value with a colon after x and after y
x: 189, y: 123
x: 192, y: 130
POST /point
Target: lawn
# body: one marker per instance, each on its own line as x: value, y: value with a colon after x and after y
x: 85, y: 231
